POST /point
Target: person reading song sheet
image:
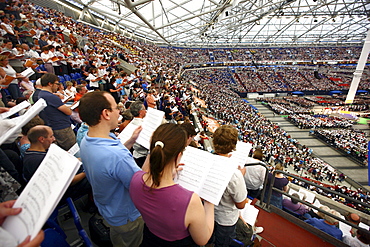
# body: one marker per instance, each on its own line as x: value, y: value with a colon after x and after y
x: 235, y: 195
x: 173, y: 215
x: 109, y: 167
x: 6, y: 209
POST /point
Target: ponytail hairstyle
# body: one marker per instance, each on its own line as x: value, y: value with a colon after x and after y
x: 167, y: 142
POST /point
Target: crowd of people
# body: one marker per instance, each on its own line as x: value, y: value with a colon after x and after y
x: 304, y: 121
x: 352, y: 142
x: 119, y: 181
x: 282, y: 106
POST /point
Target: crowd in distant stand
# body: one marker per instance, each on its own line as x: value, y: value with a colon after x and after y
x: 319, y: 121
x: 352, y: 142
x: 277, y: 145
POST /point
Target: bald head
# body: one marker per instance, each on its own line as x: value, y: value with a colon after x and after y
x: 353, y: 218
x: 41, y: 136
x: 35, y: 132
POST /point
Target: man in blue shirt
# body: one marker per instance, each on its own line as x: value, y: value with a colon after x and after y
x: 328, y: 224
x: 109, y: 167
x: 56, y: 114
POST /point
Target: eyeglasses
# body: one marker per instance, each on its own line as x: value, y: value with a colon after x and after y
x: 111, y: 109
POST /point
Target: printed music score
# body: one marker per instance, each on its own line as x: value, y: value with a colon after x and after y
x: 42, y: 194
x: 150, y: 123
x: 240, y: 155
x: 206, y: 174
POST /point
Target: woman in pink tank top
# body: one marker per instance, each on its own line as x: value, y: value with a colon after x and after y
x: 173, y: 215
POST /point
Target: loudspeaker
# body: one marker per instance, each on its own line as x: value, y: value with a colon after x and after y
x: 316, y: 75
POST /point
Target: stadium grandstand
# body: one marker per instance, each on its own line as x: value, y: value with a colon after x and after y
x: 289, y: 80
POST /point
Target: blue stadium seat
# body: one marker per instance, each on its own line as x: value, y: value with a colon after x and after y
x: 41, y: 67
x: 61, y: 79
x: 53, y: 238
x: 77, y: 221
x: 67, y: 77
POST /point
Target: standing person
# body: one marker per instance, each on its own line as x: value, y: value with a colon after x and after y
x: 150, y: 99
x: 280, y: 183
x: 56, y: 114
x: 72, y: 40
x: 255, y: 175
x: 173, y: 216
x: 46, y: 57
x: 235, y: 195
x: 113, y: 90
x: 109, y: 167
x: 138, y: 111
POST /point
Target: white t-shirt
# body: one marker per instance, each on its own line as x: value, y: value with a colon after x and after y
x: 226, y: 213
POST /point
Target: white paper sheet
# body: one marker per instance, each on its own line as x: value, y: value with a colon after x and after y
x: 249, y: 214
x: 240, y: 155
x: 127, y: 132
x: 206, y: 174
x: 22, y: 120
x: 42, y: 193
x: 28, y: 72
x: 75, y: 105
x: 310, y: 197
x: 151, y: 122
x: 15, y: 109
x: 74, y: 149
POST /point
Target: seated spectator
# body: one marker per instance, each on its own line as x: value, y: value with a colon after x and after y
x: 41, y: 137
x: 296, y: 207
x: 80, y: 91
x: 361, y: 239
x: 174, y: 216
x: 24, y: 143
x: 347, y: 229
x: 126, y: 119
x: 327, y: 224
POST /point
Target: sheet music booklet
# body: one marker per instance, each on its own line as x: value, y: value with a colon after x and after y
x: 25, y: 118
x: 206, y: 174
x: 240, y: 155
x: 15, y: 109
x: 42, y: 193
x: 150, y: 123
x: 249, y: 213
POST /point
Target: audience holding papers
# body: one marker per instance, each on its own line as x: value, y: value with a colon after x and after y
x: 136, y: 203
x: 109, y: 167
x: 235, y: 195
x: 173, y: 215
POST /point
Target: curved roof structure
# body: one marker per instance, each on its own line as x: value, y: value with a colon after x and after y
x: 235, y: 23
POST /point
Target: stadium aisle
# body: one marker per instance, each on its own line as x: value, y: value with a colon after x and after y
x: 320, y: 149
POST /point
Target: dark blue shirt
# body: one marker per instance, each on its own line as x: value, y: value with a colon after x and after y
x: 54, y: 118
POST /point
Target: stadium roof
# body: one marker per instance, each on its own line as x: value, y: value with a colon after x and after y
x: 235, y: 23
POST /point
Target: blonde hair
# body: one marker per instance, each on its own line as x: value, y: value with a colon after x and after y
x: 330, y: 219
